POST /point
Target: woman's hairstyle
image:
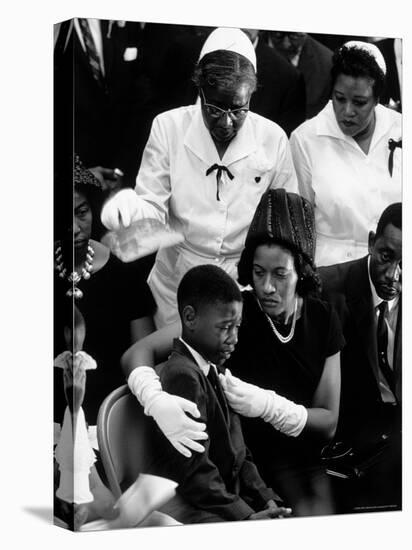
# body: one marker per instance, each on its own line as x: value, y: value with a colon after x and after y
x: 308, y: 277
x: 224, y: 69
x: 205, y: 285
x: 69, y: 177
x: 358, y: 62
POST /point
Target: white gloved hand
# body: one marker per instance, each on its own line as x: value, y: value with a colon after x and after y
x: 182, y: 432
x: 245, y: 399
x: 249, y: 400
x: 169, y: 411
x: 124, y: 208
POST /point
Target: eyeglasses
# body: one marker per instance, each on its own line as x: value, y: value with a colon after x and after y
x: 293, y: 36
x: 216, y: 112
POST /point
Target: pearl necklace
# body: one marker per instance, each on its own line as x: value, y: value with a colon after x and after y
x: 74, y: 278
x: 287, y: 338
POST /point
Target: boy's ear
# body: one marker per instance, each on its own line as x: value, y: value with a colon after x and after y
x: 371, y: 241
x: 189, y: 317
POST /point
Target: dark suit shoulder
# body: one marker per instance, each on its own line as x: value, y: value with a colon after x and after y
x: 334, y: 277
x: 180, y: 365
x: 314, y: 46
x: 271, y: 61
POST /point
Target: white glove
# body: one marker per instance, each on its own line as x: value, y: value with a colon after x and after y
x: 168, y: 411
x: 124, y: 208
x: 245, y: 399
x: 252, y: 401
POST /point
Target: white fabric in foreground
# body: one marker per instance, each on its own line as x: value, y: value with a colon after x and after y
x: 88, y: 363
x: 75, y: 457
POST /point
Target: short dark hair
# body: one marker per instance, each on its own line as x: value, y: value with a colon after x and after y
x: 225, y: 69
x: 308, y: 277
x: 392, y: 214
x: 205, y: 285
x: 357, y: 62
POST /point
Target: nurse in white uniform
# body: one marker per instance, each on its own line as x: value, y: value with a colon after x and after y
x: 348, y: 157
x: 205, y: 168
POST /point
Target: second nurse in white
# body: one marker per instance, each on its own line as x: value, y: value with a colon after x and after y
x: 348, y: 157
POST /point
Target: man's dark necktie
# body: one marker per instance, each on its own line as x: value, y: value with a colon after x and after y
x: 220, y: 168
x: 216, y: 385
x: 392, y: 144
x: 93, y: 56
x: 382, y: 341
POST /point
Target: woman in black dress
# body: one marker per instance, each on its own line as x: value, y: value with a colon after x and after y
x: 288, y: 353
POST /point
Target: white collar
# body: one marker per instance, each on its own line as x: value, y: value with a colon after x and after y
x: 200, y: 360
x: 376, y: 300
x: 327, y: 125
x: 200, y: 142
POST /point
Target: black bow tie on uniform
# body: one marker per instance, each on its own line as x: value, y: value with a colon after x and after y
x: 392, y: 144
x: 220, y: 168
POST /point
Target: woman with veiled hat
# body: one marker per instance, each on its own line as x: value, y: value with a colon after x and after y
x: 348, y: 158
x: 287, y: 356
x: 205, y: 168
x: 287, y: 360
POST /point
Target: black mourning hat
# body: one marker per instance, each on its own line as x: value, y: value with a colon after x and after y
x: 286, y: 218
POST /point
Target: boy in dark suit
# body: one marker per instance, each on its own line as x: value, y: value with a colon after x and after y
x: 221, y: 484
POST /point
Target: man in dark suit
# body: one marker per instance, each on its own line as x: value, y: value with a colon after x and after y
x: 97, y: 97
x: 280, y: 95
x: 367, y: 296
x: 313, y: 60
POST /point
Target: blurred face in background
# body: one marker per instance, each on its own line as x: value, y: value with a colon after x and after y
x: 288, y: 44
x: 252, y: 33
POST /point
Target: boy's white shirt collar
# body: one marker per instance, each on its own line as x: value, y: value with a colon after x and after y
x: 202, y: 363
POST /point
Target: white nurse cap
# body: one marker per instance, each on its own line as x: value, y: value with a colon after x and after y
x: 234, y: 40
x: 373, y: 50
